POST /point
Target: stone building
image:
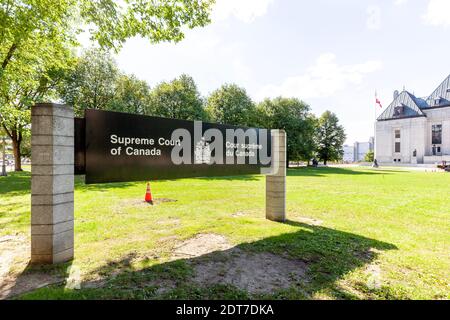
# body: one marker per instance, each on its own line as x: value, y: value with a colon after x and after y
x: 415, y: 130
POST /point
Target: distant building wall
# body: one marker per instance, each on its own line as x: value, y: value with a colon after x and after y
x: 361, y: 149
x: 358, y: 151
x: 349, y: 154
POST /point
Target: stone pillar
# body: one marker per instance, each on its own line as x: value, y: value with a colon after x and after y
x: 276, y: 181
x: 52, y: 183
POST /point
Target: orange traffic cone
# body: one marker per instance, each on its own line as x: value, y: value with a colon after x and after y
x: 148, y: 195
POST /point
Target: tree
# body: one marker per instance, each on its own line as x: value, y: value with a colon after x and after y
x: 97, y: 83
x: 230, y: 104
x: 330, y: 138
x: 177, y: 99
x: 369, y: 156
x: 31, y: 77
x: 131, y: 95
x: 35, y: 38
x: 117, y: 21
x: 295, y: 118
x: 92, y: 83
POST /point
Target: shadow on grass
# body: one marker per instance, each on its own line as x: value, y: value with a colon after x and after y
x: 79, y: 181
x: 32, y: 277
x: 324, y: 255
x: 231, y: 178
x: 80, y: 185
x: 323, y: 171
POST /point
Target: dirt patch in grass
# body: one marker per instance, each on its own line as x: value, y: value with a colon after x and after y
x: 310, y: 221
x: 200, y: 245
x: 142, y: 203
x: 374, y: 280
x: 256, y: 273
x: 138, y: 203
x: 162, y: 200
x: 220, y: 263
x: 238, y: 214
x: 12, y: 247
x: 16, y: 285
x: 169, y: 221
x: 14, y: 259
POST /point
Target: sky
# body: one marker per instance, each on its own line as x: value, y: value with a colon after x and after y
x: 331, y: 54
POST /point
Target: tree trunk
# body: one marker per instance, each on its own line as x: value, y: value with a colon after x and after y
x: 17, y: 159
x: 16, y: 138
x: 325, y: 162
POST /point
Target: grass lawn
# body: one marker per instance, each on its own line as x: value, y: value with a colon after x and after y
x: 353, y: 234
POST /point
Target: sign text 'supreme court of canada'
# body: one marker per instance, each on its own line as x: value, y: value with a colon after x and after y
x: 118, y: 147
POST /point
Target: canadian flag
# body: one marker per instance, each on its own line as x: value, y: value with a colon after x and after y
x: 377, y: 101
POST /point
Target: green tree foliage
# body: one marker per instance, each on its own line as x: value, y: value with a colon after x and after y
x: 295, y: 118
x: 131, y: 95
x: 330, y: 138
x: 177, y: 99
x: 36, y: 37
x: 35, y: 42
x: 369, y: 156
x: 116, y: 21
x: 3, y: 137
x: 25, y: 146
x: 92, y: 83
x: 231, y: 104
x: 97, y: 83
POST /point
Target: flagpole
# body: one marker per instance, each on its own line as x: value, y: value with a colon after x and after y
x: 375, y: 109
x: 374, y: 124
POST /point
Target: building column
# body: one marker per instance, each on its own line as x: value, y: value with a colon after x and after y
x: 276, y: 181
x: 52, y: 183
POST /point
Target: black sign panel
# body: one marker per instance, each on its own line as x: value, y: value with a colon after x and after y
x: 126, y: 147
x: 80, y: 145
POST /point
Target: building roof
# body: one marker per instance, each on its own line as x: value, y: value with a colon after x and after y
x: 406, y: 105
x: 442, y: 92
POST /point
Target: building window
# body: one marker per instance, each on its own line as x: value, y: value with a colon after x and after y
x: 436, y: 150
x: 436, y: 134
x: 397, y: 134
x: 437, y: 101
x: 397, y: 147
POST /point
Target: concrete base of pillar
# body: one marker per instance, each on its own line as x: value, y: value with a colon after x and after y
x: 276, y: 181
x: 52, y: 183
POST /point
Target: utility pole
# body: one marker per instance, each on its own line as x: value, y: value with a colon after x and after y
x: 4, y: 158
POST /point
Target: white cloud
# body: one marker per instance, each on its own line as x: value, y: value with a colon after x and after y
x: 373, y: 21
x: 437, y: 13
x: 323, y: 79
x: 244, y: 10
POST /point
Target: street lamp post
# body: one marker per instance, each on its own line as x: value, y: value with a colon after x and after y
x: 4, y: 158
